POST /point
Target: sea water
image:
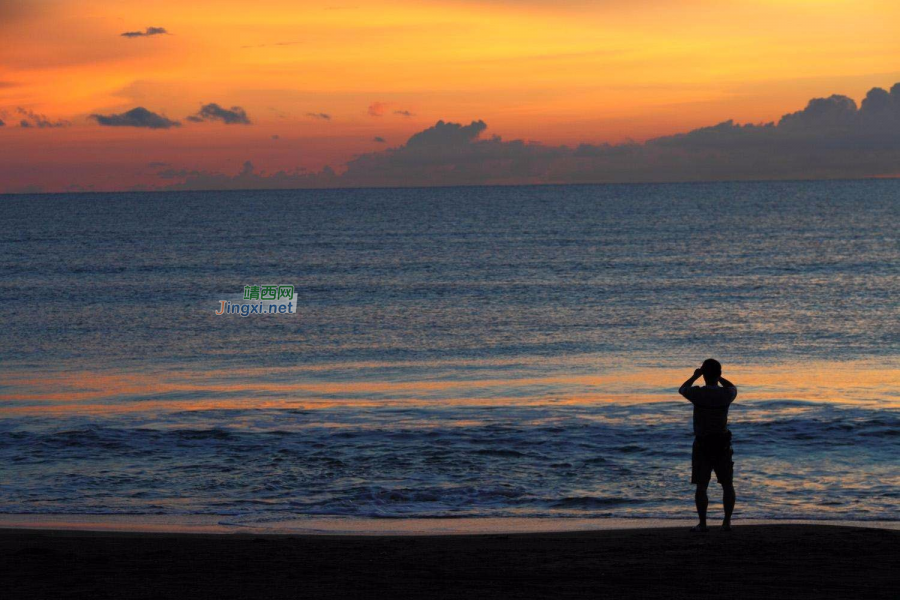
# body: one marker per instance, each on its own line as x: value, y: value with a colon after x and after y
x: 454, y: 352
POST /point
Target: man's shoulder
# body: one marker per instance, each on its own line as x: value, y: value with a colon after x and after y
x: 723, y: 392
x: 690, y: 391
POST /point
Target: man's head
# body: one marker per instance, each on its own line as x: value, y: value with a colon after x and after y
x: 712, y: 370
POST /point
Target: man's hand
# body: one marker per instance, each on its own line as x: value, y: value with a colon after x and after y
x: 683, y: 390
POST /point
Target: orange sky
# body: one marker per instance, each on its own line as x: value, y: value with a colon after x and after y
x: 552, y: 71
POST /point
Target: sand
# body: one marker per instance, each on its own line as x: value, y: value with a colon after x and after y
x: 753, y: 561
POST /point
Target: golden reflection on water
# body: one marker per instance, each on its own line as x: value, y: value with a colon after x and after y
x: 357, y: 385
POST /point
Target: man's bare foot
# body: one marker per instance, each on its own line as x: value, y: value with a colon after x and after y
x: 701, y: 528
x: 726, y: 525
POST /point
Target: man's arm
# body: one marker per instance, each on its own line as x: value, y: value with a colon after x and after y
x: 686, y: 386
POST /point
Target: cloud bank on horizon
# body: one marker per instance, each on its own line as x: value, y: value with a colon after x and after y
x: 830, y: 138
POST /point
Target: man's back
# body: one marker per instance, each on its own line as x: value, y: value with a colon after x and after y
x: 711, y: 404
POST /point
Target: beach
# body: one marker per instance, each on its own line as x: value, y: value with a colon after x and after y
x: 752, y: 561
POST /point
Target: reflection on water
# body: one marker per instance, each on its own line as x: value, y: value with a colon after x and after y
x: 473, y: 351
x: 574, y: 380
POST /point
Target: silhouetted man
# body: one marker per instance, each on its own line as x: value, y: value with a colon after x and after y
x: 712, y: 439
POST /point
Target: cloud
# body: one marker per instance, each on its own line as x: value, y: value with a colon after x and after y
x: 321, y: 115
x: 830, y: 138
x: 447, y: 134
x: 32, y: 119
x: 145, y: 33
x: 2, y: 124
x: 136, y: 117
x: 378, y: 139
x: 213, y: 112
x: 453, y: 154
x: 378, y: 109
x: 276, y: 137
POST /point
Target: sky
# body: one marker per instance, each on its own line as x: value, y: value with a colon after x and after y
x: 121, y: 95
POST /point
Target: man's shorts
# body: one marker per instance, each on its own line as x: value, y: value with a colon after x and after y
x: 712, y: 453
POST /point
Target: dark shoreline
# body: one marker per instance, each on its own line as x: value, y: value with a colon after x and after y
x: 754, y: 561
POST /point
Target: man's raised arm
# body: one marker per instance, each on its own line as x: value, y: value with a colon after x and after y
x: 686, y: 386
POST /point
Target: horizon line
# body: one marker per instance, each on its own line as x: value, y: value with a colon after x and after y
x: 467, y: 186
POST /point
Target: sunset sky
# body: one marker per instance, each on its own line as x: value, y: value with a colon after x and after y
x: 301, y: 85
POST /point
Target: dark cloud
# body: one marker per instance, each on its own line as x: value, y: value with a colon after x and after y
x: 156, y: 164
x: 32, y: 119
x: 453, y: 154
x: 836, y: 112
x: 321, y: 115
x: 404, y: 113
x: 136, y: 117
x: 378, y: 139
x: 276, y: 137
x: 146, y: 32
x: 830, y: 138
x: 447, y: 134
x: 2, y: 124
x: 213, y: 112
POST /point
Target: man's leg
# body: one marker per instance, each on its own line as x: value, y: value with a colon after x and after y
x: 728, y: 499
x: 701, y: 471
x: 702, y: 501
x: 724, y: 469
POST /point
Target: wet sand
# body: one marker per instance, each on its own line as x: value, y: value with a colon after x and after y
x: 753, y: 561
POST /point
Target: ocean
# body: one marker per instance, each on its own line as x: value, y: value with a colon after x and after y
x: 455, y: 352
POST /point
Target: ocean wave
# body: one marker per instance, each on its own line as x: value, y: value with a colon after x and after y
x: 840, y: 460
